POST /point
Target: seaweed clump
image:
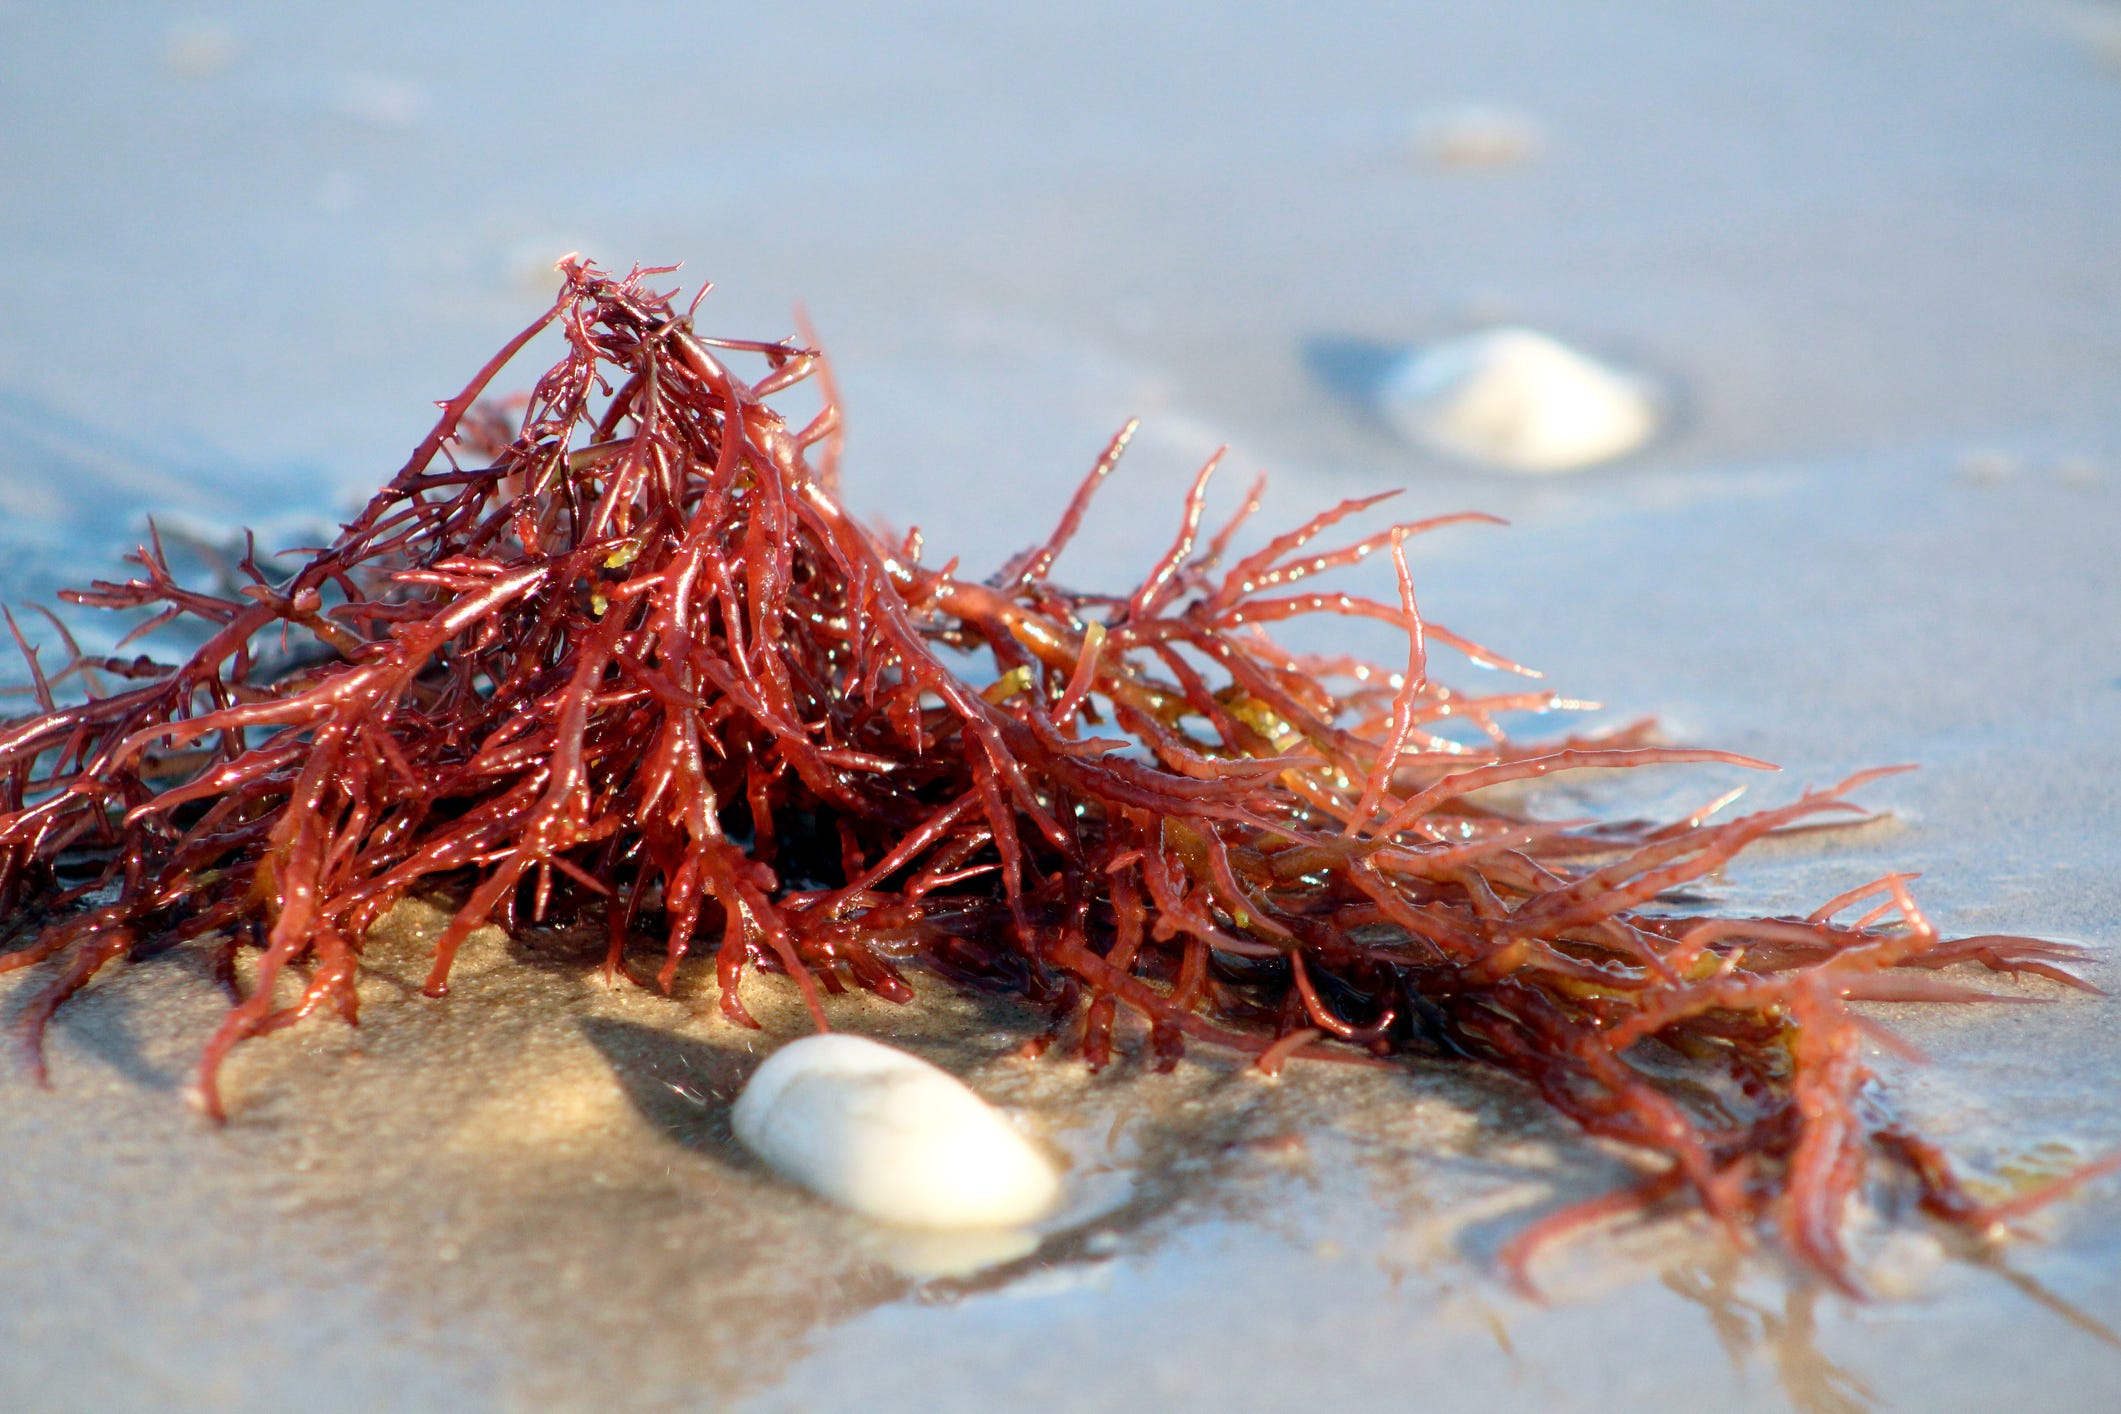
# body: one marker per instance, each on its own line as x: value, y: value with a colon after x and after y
x: 642, y: 671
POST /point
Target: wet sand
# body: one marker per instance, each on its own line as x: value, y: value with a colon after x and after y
x: 1872, y: 249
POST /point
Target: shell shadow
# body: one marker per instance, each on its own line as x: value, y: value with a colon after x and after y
x: 1354, y: 372
x: 683, y: 1086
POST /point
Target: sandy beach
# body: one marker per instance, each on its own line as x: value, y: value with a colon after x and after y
x: 1865, y: 252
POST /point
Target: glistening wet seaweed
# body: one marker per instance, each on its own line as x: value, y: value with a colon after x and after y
x: 642, y: 671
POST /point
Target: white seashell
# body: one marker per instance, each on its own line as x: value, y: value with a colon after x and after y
x: 1517, y: 399
x: 935, y: 1254
x: 891, y: 1137
x: 1477, y: 135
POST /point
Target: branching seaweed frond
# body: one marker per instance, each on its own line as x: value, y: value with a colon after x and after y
x: 642, y: 670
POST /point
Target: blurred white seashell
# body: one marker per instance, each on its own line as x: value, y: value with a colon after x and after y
x: 199, y: 51
x: 1476, y: 135
x: 890, y: 1136
x: 1517, y: 399
x: 533, y: 263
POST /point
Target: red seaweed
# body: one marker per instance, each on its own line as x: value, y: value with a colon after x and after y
x: 642, y: 671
